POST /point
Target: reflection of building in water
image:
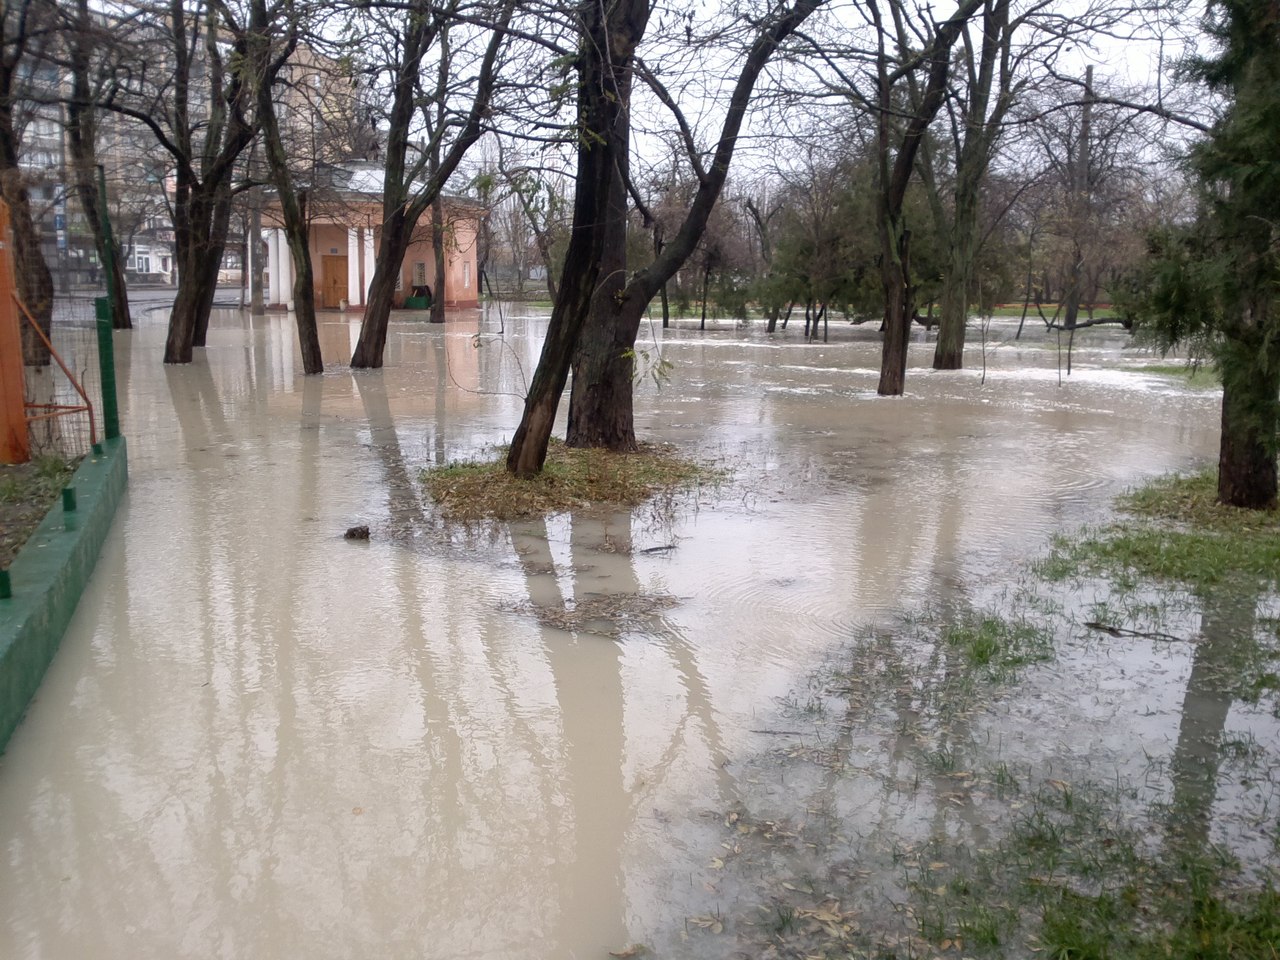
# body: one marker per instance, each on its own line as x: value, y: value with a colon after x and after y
x: 421, y: 362
x: 345, y: 235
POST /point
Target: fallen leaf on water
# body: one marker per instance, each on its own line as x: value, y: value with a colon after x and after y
x: 822, y: 916
x: 635, y: 950
x: 938, y: 865
x: 717, y: 863
x: 357, y: 810
x: 714, y: 924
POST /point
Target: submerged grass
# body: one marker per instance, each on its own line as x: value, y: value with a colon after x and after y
x: 998, y: 645
x: 1178, y: 532
x: 1018, y: 862
x: 572, y: 479
x: 1073, y: 880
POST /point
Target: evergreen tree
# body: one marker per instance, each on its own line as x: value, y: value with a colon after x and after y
x: 1217, y: 281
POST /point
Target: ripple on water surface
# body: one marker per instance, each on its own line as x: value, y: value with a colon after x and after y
x: 276, y: 742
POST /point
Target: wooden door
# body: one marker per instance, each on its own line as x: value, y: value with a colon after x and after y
x: 333, y: 289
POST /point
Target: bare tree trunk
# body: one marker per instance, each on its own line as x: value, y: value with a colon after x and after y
x: 201, y: 219
x: 82, y: 148
x: 894, y: 174
x: 658, y: 243
x: 197, y: 282
x: 257, y: 307
x: 304, y: 295
x: 293, y: 202
x: 203, y: 176
x: 608, y: 45
x: 394, y: 241
x: 401, y: 205
x: 614, y: 423
x: 600, y: 413
x: 986, y: 74
x: 895, y: 274
x: 437, y: 249
x: 948, y: 353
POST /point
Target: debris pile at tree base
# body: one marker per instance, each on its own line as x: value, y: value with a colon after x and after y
x: 573, y: 479
x: 603, y: 615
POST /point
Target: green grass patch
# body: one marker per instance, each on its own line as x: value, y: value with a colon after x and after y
x: 1073, y: 881
x: 1176, y: 532
x: 997, y: 645
x: 572, y: 479
x: 1199, y: 376
x: 1015, y: 310
x: 27, y: 491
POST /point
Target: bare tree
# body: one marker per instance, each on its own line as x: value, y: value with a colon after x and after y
x: 896, y: 64
x: 90, y: 53
x: 271, y: 37
x: 413, y: 175
x: 595, y: 283
x: 187, y: 84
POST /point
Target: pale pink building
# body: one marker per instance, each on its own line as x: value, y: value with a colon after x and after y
x: 345, y: 234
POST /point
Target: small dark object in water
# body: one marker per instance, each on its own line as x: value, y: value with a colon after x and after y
x: 663, y: 549
x: 356, y: 533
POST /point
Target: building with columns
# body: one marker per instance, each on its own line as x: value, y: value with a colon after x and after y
x: 344, y: 240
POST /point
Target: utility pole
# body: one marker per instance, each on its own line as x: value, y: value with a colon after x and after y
x: 1080, y: 204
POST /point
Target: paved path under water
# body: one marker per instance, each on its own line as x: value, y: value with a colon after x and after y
x: 262, y: 741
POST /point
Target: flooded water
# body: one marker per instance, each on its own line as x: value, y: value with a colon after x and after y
x: 262, y: 740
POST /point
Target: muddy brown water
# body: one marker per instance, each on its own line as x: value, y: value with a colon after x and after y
x: 260, y: 740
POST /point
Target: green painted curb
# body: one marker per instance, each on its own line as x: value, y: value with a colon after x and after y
x: 49, y: 575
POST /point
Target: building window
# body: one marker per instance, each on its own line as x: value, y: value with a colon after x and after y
x: 142, y: 263
x: 420, y: 274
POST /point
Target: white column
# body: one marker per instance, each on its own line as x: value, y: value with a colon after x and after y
x: 354, y: 297
x: 273, y: 268
x: 368, y: 261
x: 286, y: 270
